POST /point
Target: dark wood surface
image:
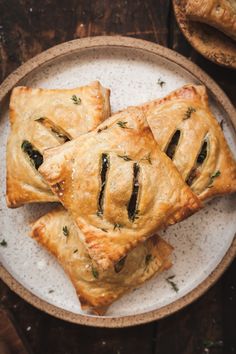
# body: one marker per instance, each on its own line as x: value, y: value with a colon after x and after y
x: 27, y: 27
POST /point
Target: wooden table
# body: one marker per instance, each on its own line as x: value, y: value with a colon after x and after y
x: 27, y: 27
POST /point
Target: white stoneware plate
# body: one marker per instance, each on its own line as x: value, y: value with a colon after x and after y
x: 203, y: 243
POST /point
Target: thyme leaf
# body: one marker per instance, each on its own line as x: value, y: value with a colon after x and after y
x: 117, y: 226
x: 189, y: 111
x: 76, y: 100
x: 172, y: 283
x: 3, y: 243
x: 147, y: 158
x: 160, y: 82
x: 104, y: 230
x: 101, y: 129
x: 215, y: 175
x: 122, y: 124
x: 65, y: 231
x: 95, y: 273
x: 125, y: 157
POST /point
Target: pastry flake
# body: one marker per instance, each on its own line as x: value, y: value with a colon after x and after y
x: 97, y: 289
x: 118, y: 186
x: 219, y: 14
x: 185, y: 128
x: 40, y: 119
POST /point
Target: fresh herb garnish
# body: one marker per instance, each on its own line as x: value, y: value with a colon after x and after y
x: 51, y: 291
x: 148, y: 259
x: 76, y: 100
x: 3, y: 243
x: 213, y: 344
x: 125, y: 157
x: 122, y: 124
x: 119, y: 265
x: 147, y: 158
x: 160, y: 82
x: 95, y: 273
x: 188, y: 113
x: 104, y: 230
x: 172, y: 283
x: 75, y: 251
x: 117, y: 226
x: 215, y: 175
x: 65, y: 231
x: 135, y: 217
x: 101, y: 129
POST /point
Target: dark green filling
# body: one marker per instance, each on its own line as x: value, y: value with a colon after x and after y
x: 120, y: 265
x: 203, y: 153
x: 132, y: 206
x: 195, y: 172
x: 34, y: 155
x: 104, y: 169
x: 170, y: 151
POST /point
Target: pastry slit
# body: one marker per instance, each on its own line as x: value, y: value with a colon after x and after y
x: 132, y: 206
x: 171, y: 148
x: 120, y: 265
x: 104, y: 169
x: 54, y: 129
x: 34, y: 155
x: 201, y: 157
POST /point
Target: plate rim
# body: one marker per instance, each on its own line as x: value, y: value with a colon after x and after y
x: 192, y: 39
x: 68, y: 48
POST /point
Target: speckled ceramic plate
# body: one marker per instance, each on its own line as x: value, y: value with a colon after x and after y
x: 209, y: 42
x: 203, y: 244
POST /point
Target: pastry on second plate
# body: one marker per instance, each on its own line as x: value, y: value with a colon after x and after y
x: 219, y: 14
x: 97, y: 289
x: 118, y: 186
x: 40, y: 119
x: 187, y: 131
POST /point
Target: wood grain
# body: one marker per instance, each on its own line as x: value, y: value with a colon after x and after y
x: 28, y: 27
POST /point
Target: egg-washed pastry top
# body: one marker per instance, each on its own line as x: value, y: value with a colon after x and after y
x: 220, y: 14
x: 118, y: 185
x: 43, y: 118
x: 97, y: 289
x: 186, y: 130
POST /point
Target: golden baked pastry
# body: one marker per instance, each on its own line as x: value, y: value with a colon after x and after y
x: 97, y: 289
x: 118, y: 186
x: 220, y: 14
x: 41, y: 119
x: 187, y: 131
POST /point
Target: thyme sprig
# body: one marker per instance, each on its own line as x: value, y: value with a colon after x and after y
x: 65, y: 231
x: 125, y: 157
x: 172, y: 283
x: 189, y: 111
x: 212, y: 178
x: 76, y: 100
x: 160, y: 82
x: 122, y: 124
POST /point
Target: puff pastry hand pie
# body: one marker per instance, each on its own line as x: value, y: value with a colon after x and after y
x: 187, y: 131
x: 118, y: 186
x: 98, y: 289
x: 220, y: 14
x: 40, y: 119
